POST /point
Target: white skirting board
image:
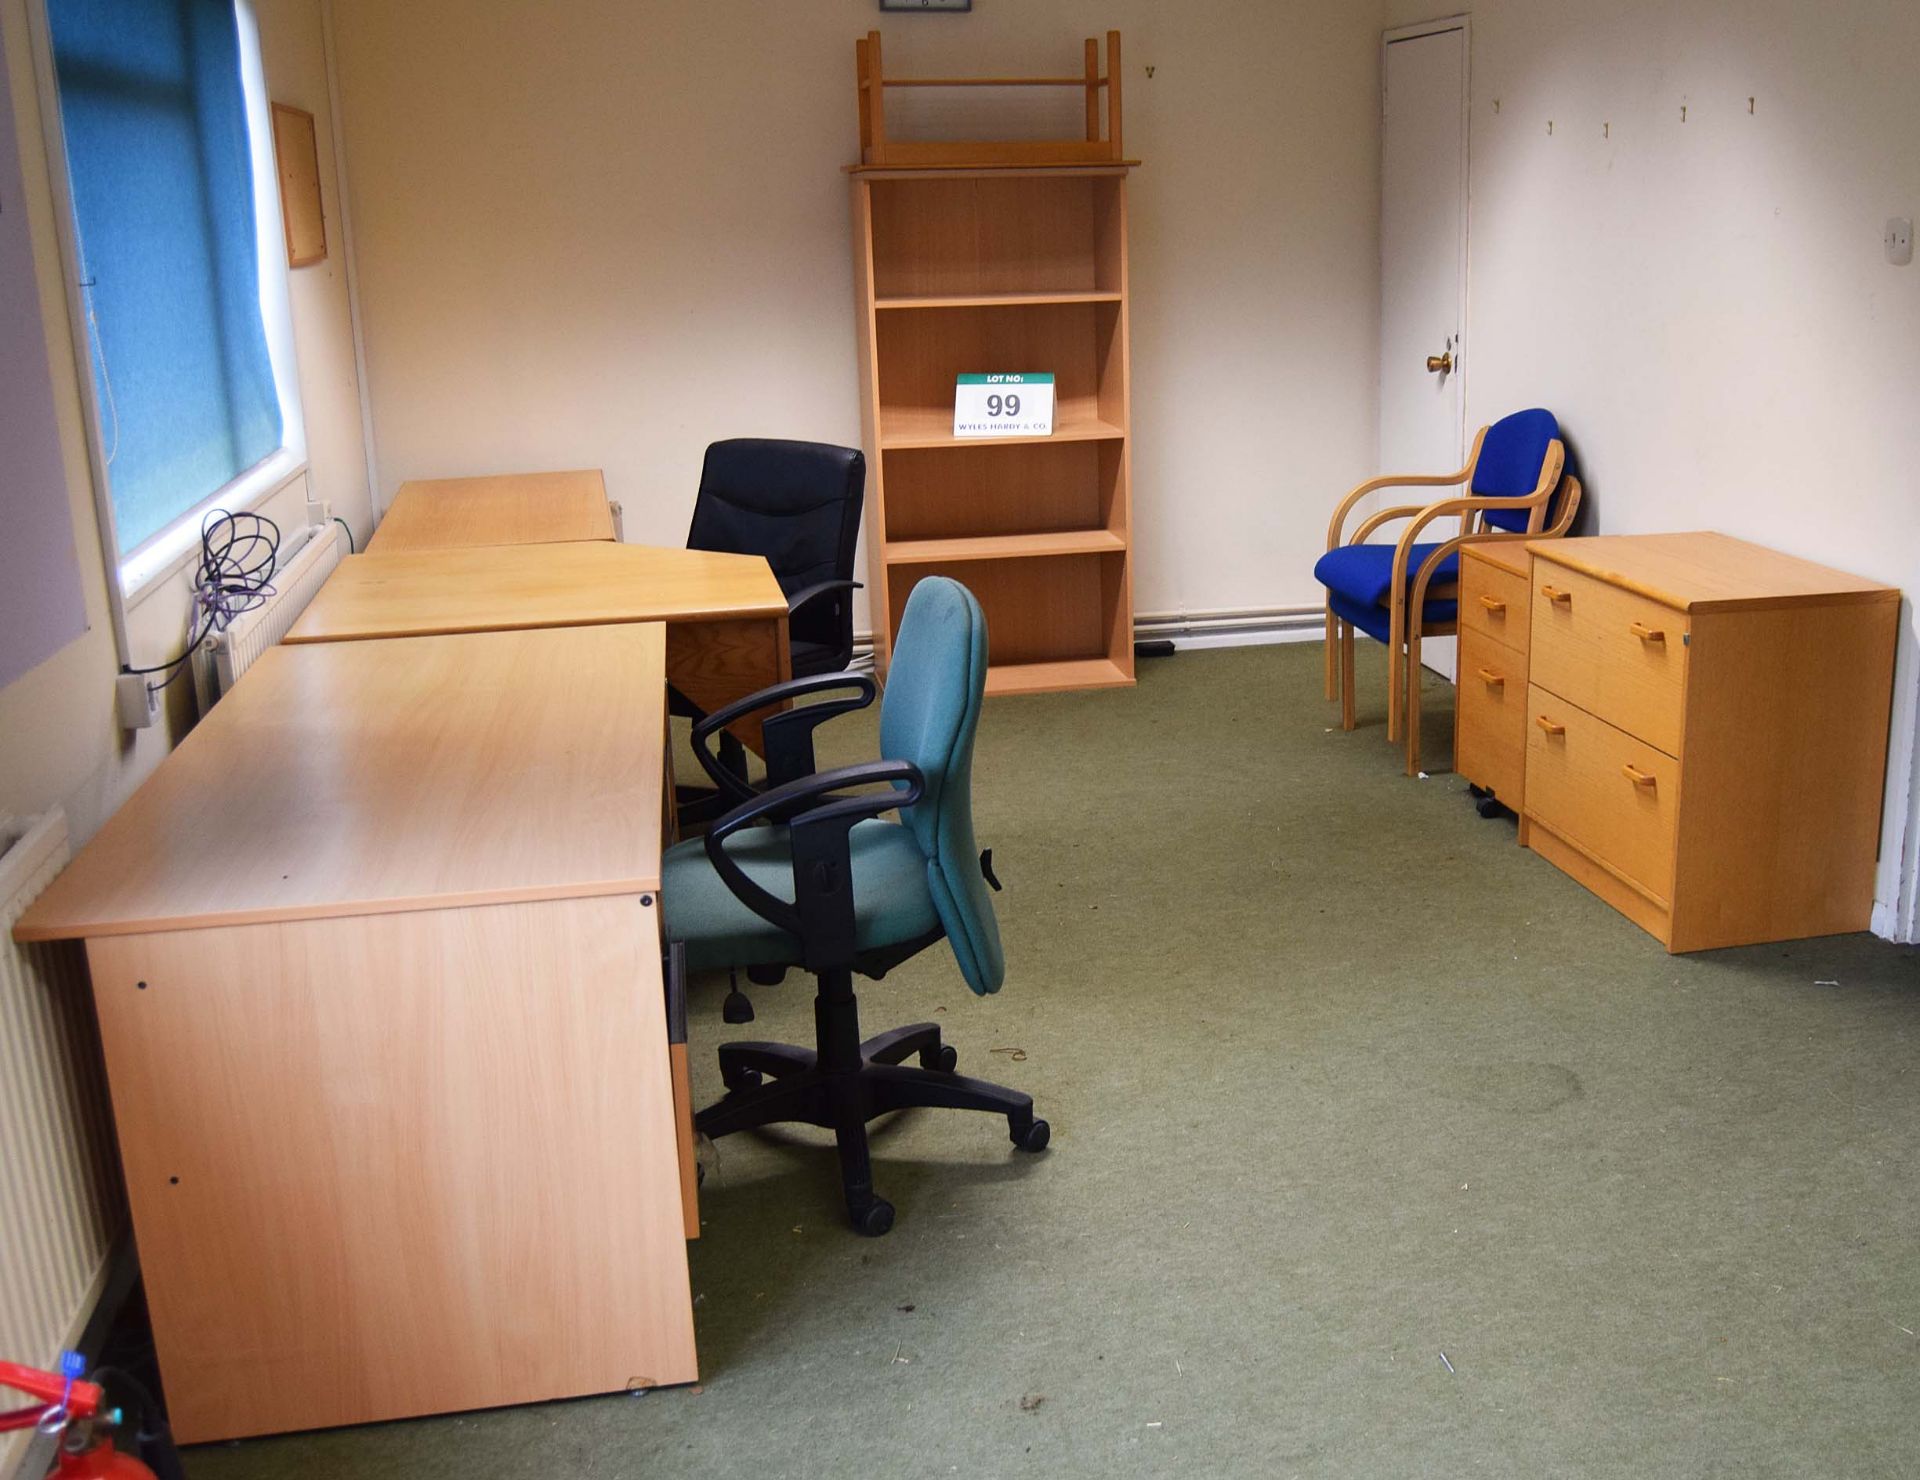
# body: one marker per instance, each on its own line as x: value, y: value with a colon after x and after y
x: 1232, y: 627
x: 1224, y: 627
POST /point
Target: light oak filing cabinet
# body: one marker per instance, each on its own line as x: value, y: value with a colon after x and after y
x: 1490, y: 707
x: 1707, y: 732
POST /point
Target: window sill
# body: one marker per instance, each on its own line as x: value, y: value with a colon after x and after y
x: 177, y: 546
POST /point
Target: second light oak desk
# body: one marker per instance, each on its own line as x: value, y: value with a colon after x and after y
x: 726, y: 614
x: 376, y: 955
x: 506, y: 509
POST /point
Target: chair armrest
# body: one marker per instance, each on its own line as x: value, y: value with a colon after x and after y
x: 787, y: 740
x: 1398, y: 603
x: 819, y: 818
x: 1385, y: 516
x: 1334, y: 541
x: 788, y: 736
x: 1373, y: 485
x: 1496, y: 537
x: 807, y: 595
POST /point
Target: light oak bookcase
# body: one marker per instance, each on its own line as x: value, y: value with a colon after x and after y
x: 996, y: 259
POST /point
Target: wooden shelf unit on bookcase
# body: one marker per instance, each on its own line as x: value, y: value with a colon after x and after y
x: 981, y: 256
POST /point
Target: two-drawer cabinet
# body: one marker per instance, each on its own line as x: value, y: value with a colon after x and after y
x: 1706, y: 733
x: 1490, y: 707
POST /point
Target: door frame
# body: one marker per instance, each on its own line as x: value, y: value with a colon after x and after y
x: 1462, y: 23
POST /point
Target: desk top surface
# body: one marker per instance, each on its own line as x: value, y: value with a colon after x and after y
x: 375, y: 777
x: 503, y: 587
x: 504, y: 509
x: 1705, y: 571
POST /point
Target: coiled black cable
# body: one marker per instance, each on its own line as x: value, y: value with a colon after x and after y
x: 238, y: 553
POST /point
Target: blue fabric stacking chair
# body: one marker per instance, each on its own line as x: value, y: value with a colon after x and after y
x: 1400, y: 592
x: 833, y: 886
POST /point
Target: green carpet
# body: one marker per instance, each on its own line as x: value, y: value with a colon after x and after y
x: 1380, y: 1148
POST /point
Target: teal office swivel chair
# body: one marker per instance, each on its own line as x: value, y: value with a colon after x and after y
x: 835, y: 888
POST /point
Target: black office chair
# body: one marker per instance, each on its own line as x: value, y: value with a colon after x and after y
x: 797, y: 504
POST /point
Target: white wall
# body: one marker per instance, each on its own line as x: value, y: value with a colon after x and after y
x: 606, y: 234
x: 59, y: 742
x: 1705, y: 303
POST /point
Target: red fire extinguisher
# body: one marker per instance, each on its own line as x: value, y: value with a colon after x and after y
x: 76, y: 1411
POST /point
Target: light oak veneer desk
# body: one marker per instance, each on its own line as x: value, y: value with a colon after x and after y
x: 377, y: 960
x: 726, y: 614
x: 506, y: 509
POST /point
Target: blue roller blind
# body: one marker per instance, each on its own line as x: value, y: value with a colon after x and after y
x: 157, y: 150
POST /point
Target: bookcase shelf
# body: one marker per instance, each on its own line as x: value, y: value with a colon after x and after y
x: 996, y: 300
x: 1006, y: 547
x: 1052, y: 678
x: 923, y: 426
x: 965, y: 265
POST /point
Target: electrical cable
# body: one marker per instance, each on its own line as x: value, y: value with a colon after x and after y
x: 352, y: 549
x: 237, y: 557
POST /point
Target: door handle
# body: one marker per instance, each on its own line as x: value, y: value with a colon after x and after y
x: 1645, y: 633
x: 1550, y: 726
x: 1491, y: 679
x: 1440, y: 364
x: 1556, y: 595
x: 1493, y: 604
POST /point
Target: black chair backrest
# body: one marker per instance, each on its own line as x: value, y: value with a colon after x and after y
x: 798, y: 504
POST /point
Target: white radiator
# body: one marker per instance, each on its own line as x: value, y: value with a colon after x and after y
x: 61, y: 1206
x: 224, y: 656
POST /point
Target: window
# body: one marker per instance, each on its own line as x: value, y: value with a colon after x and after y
x: 183, y: 278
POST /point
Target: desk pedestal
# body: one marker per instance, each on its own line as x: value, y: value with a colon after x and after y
x: 714, y: 663
x: 393, y: 1164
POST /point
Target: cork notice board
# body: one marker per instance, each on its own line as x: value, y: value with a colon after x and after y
x: 298, y: 159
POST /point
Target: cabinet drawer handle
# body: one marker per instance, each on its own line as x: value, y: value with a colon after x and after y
x: 1493, y: 680
x: 1554, y: 593
x: 1645, y: 633
x: 1492, y: 604
x: 1549, y: 725
x: 1637, y: 776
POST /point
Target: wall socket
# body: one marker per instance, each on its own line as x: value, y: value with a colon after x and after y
x: 1899, y: 240
x: 136, y: 704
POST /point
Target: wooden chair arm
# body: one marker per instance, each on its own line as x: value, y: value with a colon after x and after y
x: 1399, y: 603
x: 1417, y: 480
x: 1374, y: 485
x: 1568, y: 505
x: 1385, y: 516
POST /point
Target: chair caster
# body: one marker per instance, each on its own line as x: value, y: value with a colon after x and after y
x: 872, y: 1219
x: 766, y: 976
x: 1032, y: 1137
x: 941, y: 1058
x: 742, y: 1079
x: 1477, y: 792
x: 736, y: 1009
x: 1489, y: 806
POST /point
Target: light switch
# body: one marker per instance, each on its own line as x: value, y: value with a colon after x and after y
x: 1899, y: 240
